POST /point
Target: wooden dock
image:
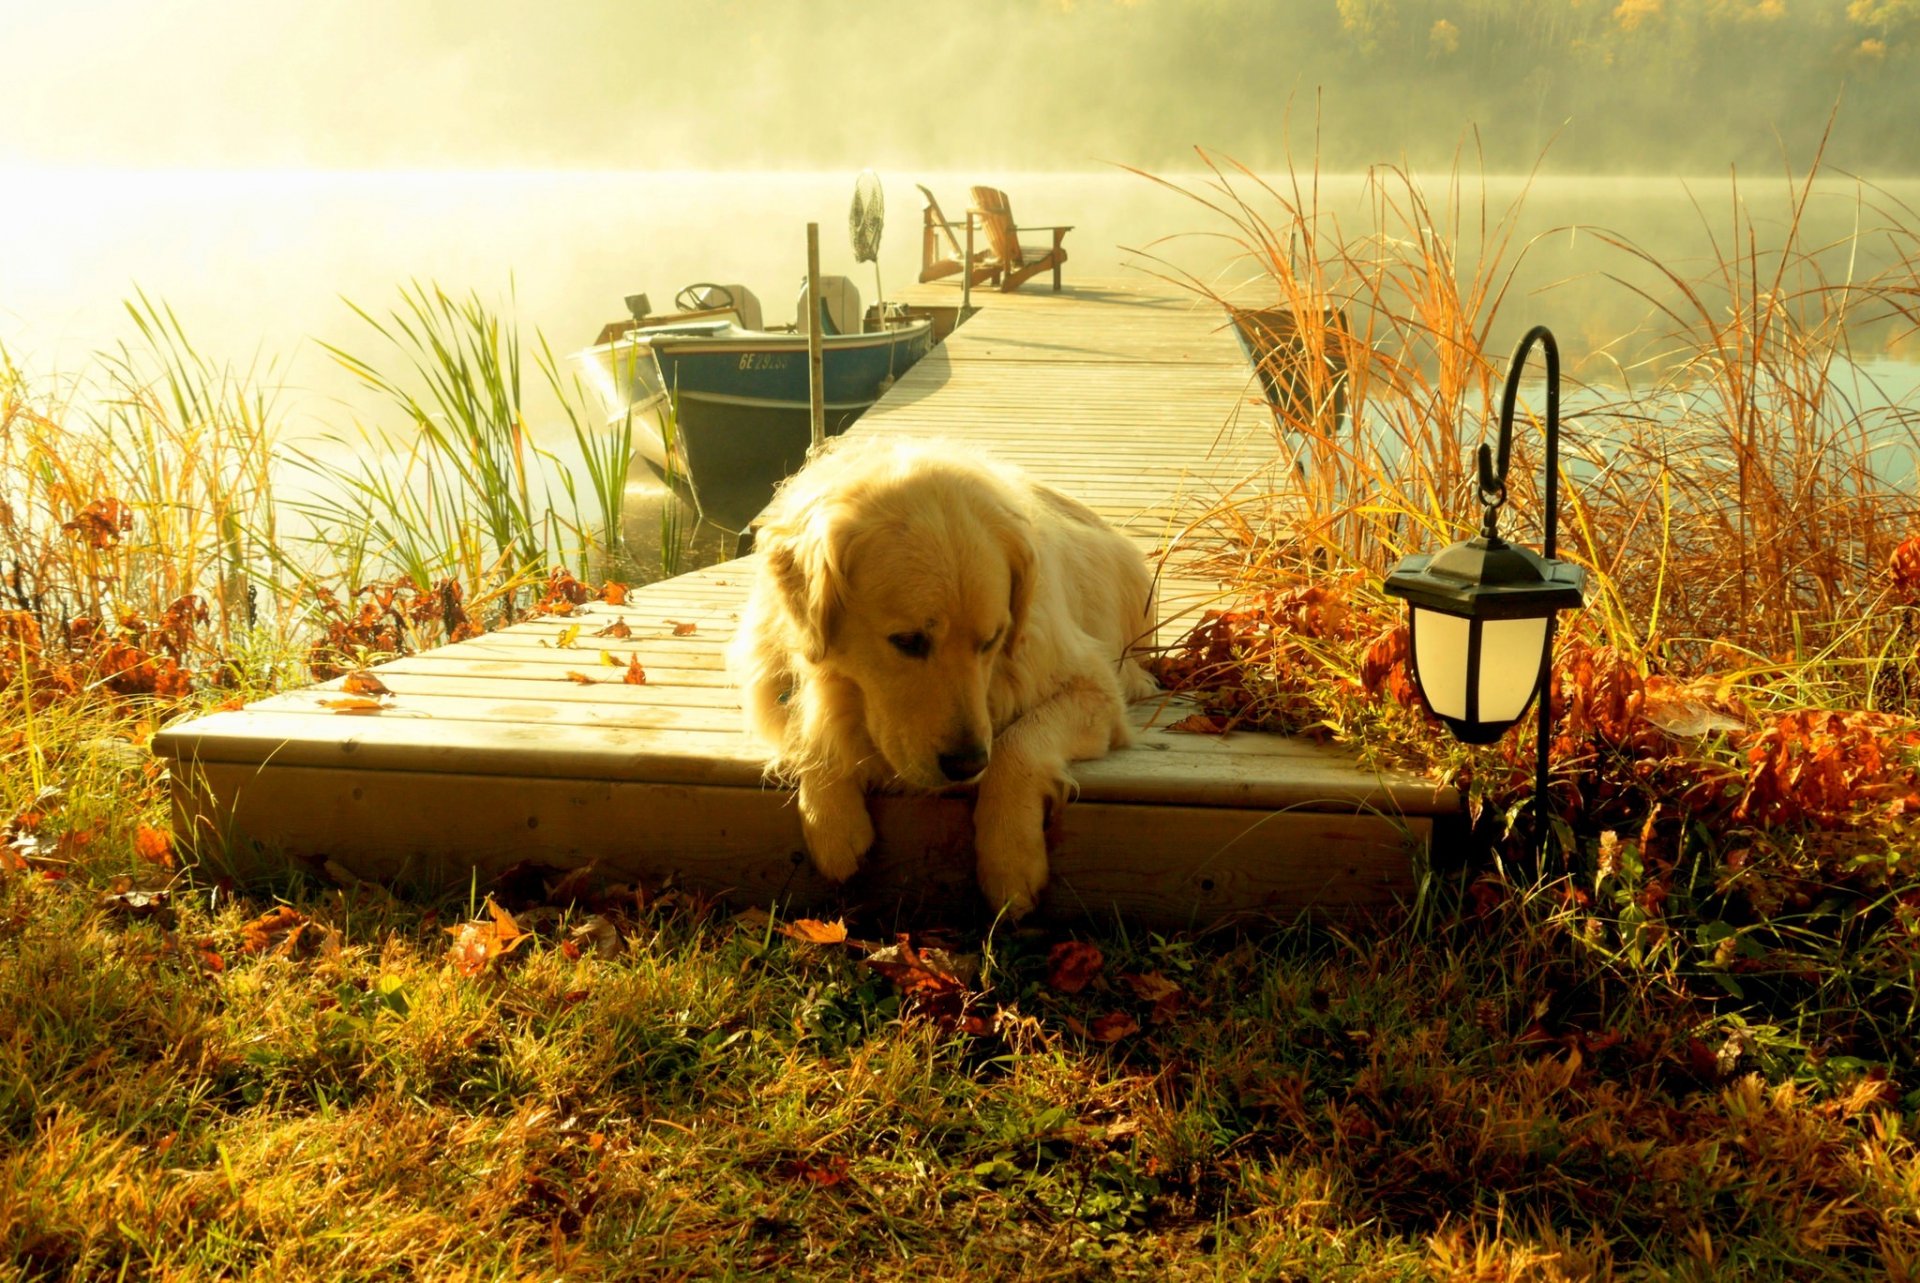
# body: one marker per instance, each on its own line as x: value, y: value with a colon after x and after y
x: 494, y: 752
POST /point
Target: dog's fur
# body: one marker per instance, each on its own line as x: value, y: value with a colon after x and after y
x: 922, y: 619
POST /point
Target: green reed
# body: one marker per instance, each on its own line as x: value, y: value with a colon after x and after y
x: 463, y: 490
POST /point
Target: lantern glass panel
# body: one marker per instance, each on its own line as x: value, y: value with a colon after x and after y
x: 1510, y: 651
x: 1440, y: 659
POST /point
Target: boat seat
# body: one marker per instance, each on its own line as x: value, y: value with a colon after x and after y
x: 839, y: 307
x: 746, y: 306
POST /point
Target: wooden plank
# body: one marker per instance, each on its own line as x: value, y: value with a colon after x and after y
x: 516, y: 750
x: 1162, y: 866
x: 690, y: 670
x: 529, y: 739
x: 552, y: 699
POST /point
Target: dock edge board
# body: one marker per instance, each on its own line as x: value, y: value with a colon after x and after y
x: 1166, y: 866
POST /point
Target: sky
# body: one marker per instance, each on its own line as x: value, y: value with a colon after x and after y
x: 1606, y: 85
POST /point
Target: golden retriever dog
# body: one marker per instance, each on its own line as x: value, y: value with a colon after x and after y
x: 924, y: 619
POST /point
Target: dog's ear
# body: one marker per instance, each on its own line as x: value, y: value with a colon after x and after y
x: 808, y: 581
x: 1017, y: 539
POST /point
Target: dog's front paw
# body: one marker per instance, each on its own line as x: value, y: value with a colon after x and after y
x: 1010, y: 841
x: 838, y: 830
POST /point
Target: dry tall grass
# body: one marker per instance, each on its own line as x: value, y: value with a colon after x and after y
x: 1738, y: 490
x: 1736, y: 761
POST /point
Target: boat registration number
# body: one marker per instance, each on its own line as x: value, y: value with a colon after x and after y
x: 765, y: 360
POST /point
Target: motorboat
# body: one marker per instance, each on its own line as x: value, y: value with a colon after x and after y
x: 721, y: 403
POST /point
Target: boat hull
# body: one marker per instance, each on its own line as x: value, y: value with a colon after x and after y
x: 743, y: 415
x: 622, y: 371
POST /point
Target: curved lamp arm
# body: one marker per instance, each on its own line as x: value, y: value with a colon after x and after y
x: 1493, y: 470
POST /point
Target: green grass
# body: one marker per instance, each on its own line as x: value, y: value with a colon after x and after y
x: 1473, y: 1091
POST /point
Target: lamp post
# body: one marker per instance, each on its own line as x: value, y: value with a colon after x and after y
x: 1480, y: 613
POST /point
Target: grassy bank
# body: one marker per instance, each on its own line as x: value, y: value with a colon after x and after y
x: 1685, y: 1048
x: 648, y: 1089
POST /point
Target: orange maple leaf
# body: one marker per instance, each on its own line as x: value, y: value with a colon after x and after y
x: 267, y: 930
x: 484, y: 942
x: 354, y: 704
x: 155, y: 846
x: 814, y: 931
x: 363, y: 682
x: 1072, y: 965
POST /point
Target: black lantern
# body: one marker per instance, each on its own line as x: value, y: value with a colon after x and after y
x: 1480, y: 613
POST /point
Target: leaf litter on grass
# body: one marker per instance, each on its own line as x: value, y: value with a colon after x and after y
x: 484, y: 944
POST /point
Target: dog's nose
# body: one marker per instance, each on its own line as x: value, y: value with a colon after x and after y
x: 964, y: 765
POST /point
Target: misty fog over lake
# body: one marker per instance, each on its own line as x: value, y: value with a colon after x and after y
x: 256, y: 264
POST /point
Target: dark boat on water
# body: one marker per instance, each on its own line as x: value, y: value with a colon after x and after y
x: 721, y: 405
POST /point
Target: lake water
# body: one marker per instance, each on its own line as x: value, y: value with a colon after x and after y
x: 256, y: 263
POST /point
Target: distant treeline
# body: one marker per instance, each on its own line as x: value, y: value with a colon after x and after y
x: 1624, y: 85
x: 1616, y: 85
x: 1628, y: 84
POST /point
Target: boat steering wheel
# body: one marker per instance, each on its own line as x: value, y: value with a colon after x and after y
x: 703, y: 296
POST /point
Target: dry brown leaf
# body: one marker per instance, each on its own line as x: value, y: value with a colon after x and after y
x: 814, y: 931
x: 155, y: 846
x: 824, y: 1173
x: 594, y: 934
x: 914, y: 973
x: 362, y: 682
x: 618, y: 628
x: 485, y: 942
x: 127, y: 902
x: 1112, y: 1027
x: 1690, y: 711
x: 753, y: 918
x: 684, y: 630
x: 582, y: 678
x: 1904, y: 565
x: 267, y: 930
x: 1072, y: 965
x: 1199, y: 724
x: 1168, y: 998
x: 1151, y: 987
x: 359, y: 704
x: 614, y: 594
x: 636, y: 675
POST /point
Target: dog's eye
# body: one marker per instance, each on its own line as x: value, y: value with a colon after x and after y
x: 987, y: 646
x: 912, y: 645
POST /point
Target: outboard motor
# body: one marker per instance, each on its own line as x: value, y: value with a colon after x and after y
x: 839, y: 300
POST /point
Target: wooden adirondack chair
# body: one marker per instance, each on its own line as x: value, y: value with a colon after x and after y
x: 941, y: 251
x: 1017, y: 261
